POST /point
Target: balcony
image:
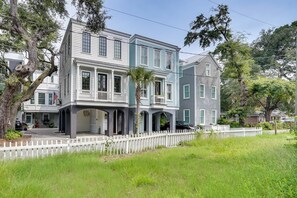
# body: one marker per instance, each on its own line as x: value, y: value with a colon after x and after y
x: 103, y: 96
x: 158, y: 100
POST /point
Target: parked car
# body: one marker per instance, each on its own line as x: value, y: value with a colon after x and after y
x: 179, y: 125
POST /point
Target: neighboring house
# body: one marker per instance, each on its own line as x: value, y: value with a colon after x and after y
x: 93, y: 81
x: 42, y: 110
x: 199, y: 91
x: 160, y: 98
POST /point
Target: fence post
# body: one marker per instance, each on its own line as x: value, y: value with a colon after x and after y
x: 68, y: 146
x: 127, y: 144
x: 243, y: 132
x: 166, y: 139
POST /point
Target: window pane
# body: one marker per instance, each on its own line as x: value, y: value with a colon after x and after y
x: 117, y: 84
x: 85, y: 80
x: 187, y: 116
x: 213, y: 92
x: 168, y: 60
x: 144, y: 55
x: 169, y: 91
x: 207, y: 70
x: 41, y: 98
x: 202, y: 91
x: 202, y: 112
x: 32, y: 101
x: 187, y: 91
x: 102, y: 46
x: 117, y: 49
x: 157, y: 58
x: 86, y: 42
x: 69, y: 45
x: 213, y: 116
x: 50, y: 98
x: 157, y: 88
x: 102, y: 82
x: 143, y: 91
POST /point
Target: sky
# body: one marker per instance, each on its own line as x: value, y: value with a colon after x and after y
x: 248, y: 17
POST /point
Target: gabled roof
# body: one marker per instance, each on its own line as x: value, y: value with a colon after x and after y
x: 197, y: 59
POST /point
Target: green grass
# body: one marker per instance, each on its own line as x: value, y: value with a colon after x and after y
x: 237, y: 167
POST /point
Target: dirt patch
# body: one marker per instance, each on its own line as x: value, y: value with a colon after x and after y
x: 18, y: 141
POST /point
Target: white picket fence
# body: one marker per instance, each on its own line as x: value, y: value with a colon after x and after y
x: 115, y: 145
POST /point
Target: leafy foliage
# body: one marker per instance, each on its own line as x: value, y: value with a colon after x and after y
x: 12, y: 134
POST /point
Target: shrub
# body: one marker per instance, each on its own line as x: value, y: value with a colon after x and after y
x: 223, y: 121
x: 265, y: 125
x: 12, y: 134
x: 234, y: 124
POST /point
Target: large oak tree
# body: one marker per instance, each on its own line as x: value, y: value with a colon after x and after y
x: 32, y: 27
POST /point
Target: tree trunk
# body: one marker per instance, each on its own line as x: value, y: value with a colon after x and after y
x: 243, y: 98
x: 137, y: 95
x: 268, y: 115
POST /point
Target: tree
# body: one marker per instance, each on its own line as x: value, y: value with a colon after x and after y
x: 271, y: 94
x: 32, y: 27
x: 140, y: 77
x: 274, y: 51
x: 235, y: 55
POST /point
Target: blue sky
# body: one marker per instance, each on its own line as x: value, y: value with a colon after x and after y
x: 248, y: 17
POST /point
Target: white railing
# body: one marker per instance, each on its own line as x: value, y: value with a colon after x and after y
x: 115, y: 145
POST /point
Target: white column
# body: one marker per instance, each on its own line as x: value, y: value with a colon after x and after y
x: 77, y: 82
x: 112, y: 84
x: 93, y: 121
x: 95, y: 84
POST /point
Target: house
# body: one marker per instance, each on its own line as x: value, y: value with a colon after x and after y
x: 199, y: 91
x: 93, y: 81
x: 160, y: 98
x: 42, y: 110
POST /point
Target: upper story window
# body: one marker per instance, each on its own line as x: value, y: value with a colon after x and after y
x: 68, y: 84
x: 102, y: 46
x: 69, y: 44
x: 41, y: 98
x: 186, y: 91
x: 85, y: 83
x: 32, y: 100
x: 144, y: 56
x: 158, y: 89
x: 202, y: 91
x: 169, y: 91
x: 168, y: 60
x: 117, y: 49
x: 117, y: 84
x: 214, y: 92
x: 65, y: 48
x: 157, y: 58
x: 86, y: 42
x: 102, y: 82
x: 207, y: 69
x: 65, y: 86
x: 52, y: 79
x: 50, y: 98
x: 143, y: 91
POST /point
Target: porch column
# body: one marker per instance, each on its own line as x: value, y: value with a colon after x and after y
x: 93, y: 121
x: 95, y: 84
x: 125, y: 120
x: 60, y: 121
x: 112, y: 84
x: 73, y: 121
x: 63, y: 121
x: 67, y: 122
x: 172, y: 122
x: 109, y: 131
x: 77, y: 83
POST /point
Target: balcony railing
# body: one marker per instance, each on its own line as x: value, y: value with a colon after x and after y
x: 160, y: 100
x: 101, y: 96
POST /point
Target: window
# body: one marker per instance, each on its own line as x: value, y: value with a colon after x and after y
x: 117, y: 84
x: 213, y: 116
x: 29, y: 118
x: 202, y: 91
x: 214, y: 92
x: 202, y: 116
x: 65, y: 86
x: 85, y: 84
x: 102, y: 82
x: 157, y: 88
x: 168, y: 60
x: 117, y: 49
x: 50, y: 98
x: 143, y: 91
x: 32, y: 100
x: 169, y: 91
x: 102, y: 46
x: 181, y: 74
x: 65, y: 47
x: 187, y: 116
x: 86, y: 42
x: 46, y: 117
x: 144, y: 56
x: 52, y: 79
x: 68, y: 84
x: 207, y: 69
x: 69, y: 44
x: 186, y: 91
x: 41, y: 98
x: 157, y: 58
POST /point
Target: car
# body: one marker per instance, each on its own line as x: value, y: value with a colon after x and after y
x: 179, y: 125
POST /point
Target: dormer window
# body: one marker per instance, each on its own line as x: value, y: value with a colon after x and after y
x: 207, y: 69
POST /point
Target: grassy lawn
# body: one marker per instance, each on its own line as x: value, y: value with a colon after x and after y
x: 237, y: 167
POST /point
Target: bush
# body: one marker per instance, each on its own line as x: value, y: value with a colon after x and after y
x: 234, y: 124
x: 265, y: 125
x: 12, y: 134
x: 223, y: 121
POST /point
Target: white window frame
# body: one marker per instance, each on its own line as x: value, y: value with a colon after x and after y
x: 161, y: 88
x: 105, y: 46
x: 215, y: 92
x: 88, y: 50
x: 52, y: 98
x: 157, y: 50
x: 32, y: 100
x: 120, y: 49
x: 207, y: 69
x: 184, y: 116
x: 181, y: 71
x: 81, y: 77
x: 214, y: 122
x: 171, y: 91
x: 29, y: 115
x: 121, y: 85
x: 184, y: 93
x: 52, y: 79
x: 39, y: 97
x: 202, y: 110
x: 203, y: 90
x: 143, y: 87
x: 147, y: 55
x: 171, y: 60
